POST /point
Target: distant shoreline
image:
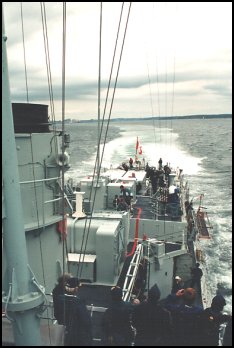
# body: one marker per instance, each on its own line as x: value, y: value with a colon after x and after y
x: 158, y: 118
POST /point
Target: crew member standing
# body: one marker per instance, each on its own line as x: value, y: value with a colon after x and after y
x: 130, y: 163
x: 117, y: 327
x: 160, y: 164
x: 71, y: 311
x: 212, y: 318
x: 126, y: 193
x: 153, y: 323
x: 196, y: 277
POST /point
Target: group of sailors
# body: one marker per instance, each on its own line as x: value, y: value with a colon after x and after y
x: 159, y: 177
x: 175, y: 321
x: 132, y: 164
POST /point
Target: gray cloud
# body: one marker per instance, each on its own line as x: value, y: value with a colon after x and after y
x: 198, y: 77
x: 219, y: 89
x: 38, y: 88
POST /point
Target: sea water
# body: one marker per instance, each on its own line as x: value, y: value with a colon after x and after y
x: 202, y: 148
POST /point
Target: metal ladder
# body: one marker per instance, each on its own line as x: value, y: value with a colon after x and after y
x: 132, y: 273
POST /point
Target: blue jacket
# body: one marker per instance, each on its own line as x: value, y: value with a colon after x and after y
x: 117, y: 324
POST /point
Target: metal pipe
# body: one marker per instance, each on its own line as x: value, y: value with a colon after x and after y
x: 73, y: 234
x: 24, y: 299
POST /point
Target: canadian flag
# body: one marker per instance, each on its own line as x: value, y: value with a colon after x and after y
x: 137, y: 144
x: 138, y: 148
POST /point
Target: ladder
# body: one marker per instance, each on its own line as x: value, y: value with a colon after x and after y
x: 132, y: 273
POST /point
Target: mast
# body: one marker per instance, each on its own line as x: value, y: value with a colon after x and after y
x: 22, y: 295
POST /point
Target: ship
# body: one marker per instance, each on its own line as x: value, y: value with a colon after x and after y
x: 52, y: 226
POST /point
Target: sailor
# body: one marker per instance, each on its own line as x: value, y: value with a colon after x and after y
x: 186, y: 318
x: 130, y: 163
x: 122, y: 205
x: 152, y: 322
x: 154, y: 180
x: 178, y: 285
x: 125, y: 166
x: 160, y: 163
x: 167, y: 171
x: 196, y: 277
x: 212, y: 318
x: 116, y: 201
x: 117, y: 327
x: 71, y: 311
x: 126, y: 193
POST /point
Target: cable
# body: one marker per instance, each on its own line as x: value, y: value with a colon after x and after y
x: 49, y: 77
x: 25, y: 67
x: 98, y: 174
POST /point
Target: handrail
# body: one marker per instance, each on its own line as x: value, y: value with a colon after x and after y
x: 39, y: 180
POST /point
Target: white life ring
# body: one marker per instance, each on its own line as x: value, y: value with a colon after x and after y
x: 62, y: 159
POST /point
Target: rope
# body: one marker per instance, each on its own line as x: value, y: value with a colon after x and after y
x: 25, y: 67
x: 172, y: 103
x: 98, y: 174
x: 173, y: 84
x: 49, y: 77
x: 151, y: 102
x: 63, y: 126
x: 99, y: 83
x: 38, y: 226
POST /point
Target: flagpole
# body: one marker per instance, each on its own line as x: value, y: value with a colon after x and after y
x: 137, y: 145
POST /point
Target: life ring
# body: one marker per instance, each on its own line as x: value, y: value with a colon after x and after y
x: 62, y: 159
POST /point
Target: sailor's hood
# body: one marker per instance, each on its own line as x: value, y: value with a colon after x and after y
x: 154, y: 293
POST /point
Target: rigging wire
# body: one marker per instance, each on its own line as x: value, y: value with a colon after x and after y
x: 158, y: 100
x: 110, y: 112
x: 166, y: 115
x: 49, y: 76
x: 174, y: 75
x: 151, y: 102
x: 108, y: 121
x: 173, y: 96
x: 99, y: 84
x: 25, y: 66
x: 63, y: 129
x: 157, y: 93
x: 38, y: 225
x: 99, y: 141
x: 167, y: 124
x: 64, y: 240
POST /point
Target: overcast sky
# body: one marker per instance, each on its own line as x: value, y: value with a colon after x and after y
x: 176, y: 57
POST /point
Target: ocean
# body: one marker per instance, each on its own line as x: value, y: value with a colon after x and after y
x: 202, y: 148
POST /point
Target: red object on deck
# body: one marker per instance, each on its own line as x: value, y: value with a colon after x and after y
x: 62, y: 228
x: 136, y: 232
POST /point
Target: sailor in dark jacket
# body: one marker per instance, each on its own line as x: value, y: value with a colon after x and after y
x: 186, y: 318
x: 152, y: 322
x: 117, y: 327
x: 196, y: 273
x: 212, y: 318
x: 71, y: 311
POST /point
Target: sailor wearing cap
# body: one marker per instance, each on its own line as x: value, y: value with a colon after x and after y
x: 178, y: 285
